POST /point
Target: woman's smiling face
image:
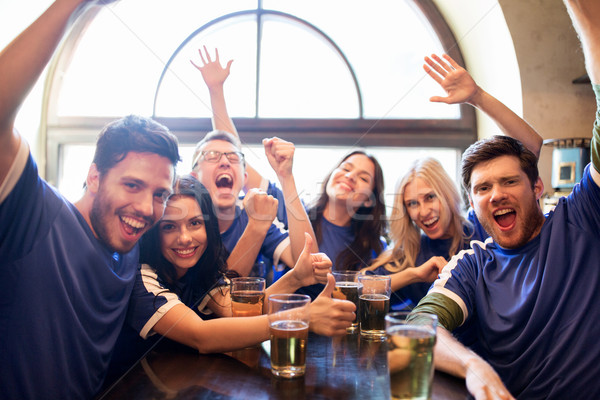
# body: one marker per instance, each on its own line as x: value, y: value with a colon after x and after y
x: 182, y: 233
x: 352, y: 181
x: 425, y: 209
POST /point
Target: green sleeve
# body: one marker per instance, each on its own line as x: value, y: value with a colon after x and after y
x: 449, y: 314
x: 595, y: 144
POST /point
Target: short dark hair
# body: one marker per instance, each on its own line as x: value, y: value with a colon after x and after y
x: 134, y: 134
x: 216, y: 135
x: 497, y: 146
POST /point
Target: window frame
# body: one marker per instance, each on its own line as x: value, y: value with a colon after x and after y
x: 355, y: 132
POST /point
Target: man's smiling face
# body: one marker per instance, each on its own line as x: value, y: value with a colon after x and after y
x: 129, y: 198
x: 505, y: 201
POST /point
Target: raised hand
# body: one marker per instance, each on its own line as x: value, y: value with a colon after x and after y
x: 331, y: 317
x: 453, y: 78
x: 260, y: 207
x: 212, y: 72
x: 280, y: 154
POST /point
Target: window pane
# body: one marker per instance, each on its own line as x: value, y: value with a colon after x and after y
x: 302, y: 76
x: 385, y: 42
x: 116, y: 66
x: 183, y: 93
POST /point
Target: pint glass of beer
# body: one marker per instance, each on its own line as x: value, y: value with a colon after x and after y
x: 373, y: 305
x: 411, y: 337
x: 247, y: 296
x: 346, y: 288
x: 288, y: 321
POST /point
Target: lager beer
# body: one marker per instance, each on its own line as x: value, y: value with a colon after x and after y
x: 288, y: 348
x: 410, y: 359
x: 372, y: 311
x: 247, y: 303
x: 348, y: 291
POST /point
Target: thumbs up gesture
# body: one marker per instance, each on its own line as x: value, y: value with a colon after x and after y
x: 311, y: 268
x: 330, y: 317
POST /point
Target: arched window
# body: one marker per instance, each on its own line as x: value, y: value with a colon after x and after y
x: 331, y: 75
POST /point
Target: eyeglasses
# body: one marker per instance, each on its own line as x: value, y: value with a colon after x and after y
x: 213, y: 156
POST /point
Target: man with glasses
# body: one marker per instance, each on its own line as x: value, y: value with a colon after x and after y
x: 247, y: 229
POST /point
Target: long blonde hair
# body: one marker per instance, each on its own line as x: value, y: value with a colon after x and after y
x: 404, y: 233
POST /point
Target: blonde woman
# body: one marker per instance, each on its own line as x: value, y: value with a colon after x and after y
x: 427, y: 227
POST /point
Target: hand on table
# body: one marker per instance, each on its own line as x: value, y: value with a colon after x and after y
x: 484, y: 383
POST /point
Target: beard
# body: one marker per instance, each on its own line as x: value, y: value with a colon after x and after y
x: 523, y: 232
x: 101, y: 215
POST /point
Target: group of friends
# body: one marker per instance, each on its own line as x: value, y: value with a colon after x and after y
x: 146, y: 253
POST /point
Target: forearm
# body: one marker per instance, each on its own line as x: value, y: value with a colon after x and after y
x: 510, y: 123
x: 220, y: 116
x: 584, y: 15
x: 24, y: 59
x: 223, y: 122
x: 243, y: 256
x: 298, y: 222
x: 286, y: 284
x: 450, y: 355
x: 403, y: 278
x: 212, y: 336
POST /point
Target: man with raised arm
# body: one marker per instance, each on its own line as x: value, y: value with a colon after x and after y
x: 530, y: 295
x: 67, y: 270
x: 247, y: 232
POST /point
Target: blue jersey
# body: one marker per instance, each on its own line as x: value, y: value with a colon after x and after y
x: 535, y: 309
x: 334, y: 240
x: 64, y: 295
x: 150, y: 301
x: 275, y: 242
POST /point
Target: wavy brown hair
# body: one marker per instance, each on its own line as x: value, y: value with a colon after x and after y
x: 367, y: 223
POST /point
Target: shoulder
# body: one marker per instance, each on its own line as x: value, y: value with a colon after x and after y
x: 16, y: 169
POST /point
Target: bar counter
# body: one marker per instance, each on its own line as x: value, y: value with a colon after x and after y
x: 336, y: 368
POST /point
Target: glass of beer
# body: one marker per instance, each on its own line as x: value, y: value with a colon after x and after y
x: 373, y: 305
x: 346, y: 288
x: 288, y: 322
x: 411, y: 337
x: 247, y: 296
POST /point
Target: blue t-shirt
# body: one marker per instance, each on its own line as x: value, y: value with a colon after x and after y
x: 407, y: 297
x: 150, y: 301
x: 275, y: 242
x: 64, y: 295
x: 535, y: 309
x: 334, y: 240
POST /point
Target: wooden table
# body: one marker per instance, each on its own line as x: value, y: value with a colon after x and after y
x: 338, y: 368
